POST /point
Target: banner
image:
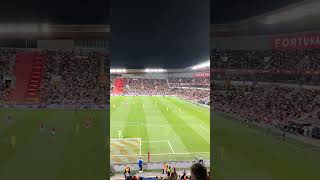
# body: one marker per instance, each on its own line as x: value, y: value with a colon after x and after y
x: 202, y: 74
x: 297, y: 41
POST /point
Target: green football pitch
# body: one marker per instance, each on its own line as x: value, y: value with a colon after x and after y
x: 168, y: 128
x: 75, y: 152
x: 245, y: 152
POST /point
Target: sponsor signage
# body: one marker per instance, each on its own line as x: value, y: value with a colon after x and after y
x: 298, y: 41
x: 202, y: 74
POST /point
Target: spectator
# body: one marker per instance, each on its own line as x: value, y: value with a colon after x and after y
x: 127, y: 171
x: 199, y: 172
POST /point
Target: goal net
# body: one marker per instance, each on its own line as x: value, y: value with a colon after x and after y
x: 125, y: 150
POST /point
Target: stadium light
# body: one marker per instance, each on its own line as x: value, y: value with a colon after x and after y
x: 118, y: 70
x: 202, y: 65
x: 150, y: 70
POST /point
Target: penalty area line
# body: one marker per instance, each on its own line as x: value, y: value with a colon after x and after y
x: 171, y: 147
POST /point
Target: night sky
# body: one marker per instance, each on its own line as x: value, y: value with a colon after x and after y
x: 159, y: 33
x: 56, y: 11
x: 145, y: 33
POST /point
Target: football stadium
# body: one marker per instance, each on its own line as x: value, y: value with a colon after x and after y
x: 266, y: 95
x: 54, y: 95
x: 162, y: 116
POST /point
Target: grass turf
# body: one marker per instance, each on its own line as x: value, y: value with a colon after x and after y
x: 170, y: 128
x: 69, y: 155
x: 243, y: 153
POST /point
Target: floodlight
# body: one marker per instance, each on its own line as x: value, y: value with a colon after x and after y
x: 151, y: 70
x: 201, y: 65
x: 118, y: 70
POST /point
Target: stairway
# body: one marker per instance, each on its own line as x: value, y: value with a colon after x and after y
x: 118, y: 85
x: 36, y: 76
x: 28, y: 71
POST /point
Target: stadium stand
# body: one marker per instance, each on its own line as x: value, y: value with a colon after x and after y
x: 7, y: 60
x: 292, y: 60
x: 265, y: 74
x: 28, y: 71
x: 49, y: 77
x: 277, y: 87
x: 194, y: 89
x: 118, y: 84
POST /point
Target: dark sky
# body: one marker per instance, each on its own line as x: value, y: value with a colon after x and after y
x: 159, y: 33
x: 56, y: 11
x: 145, y: 33
x: 226, y: 11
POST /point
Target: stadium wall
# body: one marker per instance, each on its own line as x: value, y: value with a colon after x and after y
x: 244, y: 43
x: 65, y: 44
x: 70, y: 44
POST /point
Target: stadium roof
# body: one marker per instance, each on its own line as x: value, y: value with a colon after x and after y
x: 47, y: 31
x: 296, y: 17
x: 168, y: 71
x: 200, y: 67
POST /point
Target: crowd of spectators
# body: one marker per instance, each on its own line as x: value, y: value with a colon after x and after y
x: 190, y: 82
x: 193, y: 89
x: 7, y: 58
x: 268, y: 86
x: 73, y: 78
x: 197, y: 95
x: 197, y: 172
x: 307, y: 59
x: 270, y: 104
x: 70, y: 77
x: 146, y: 87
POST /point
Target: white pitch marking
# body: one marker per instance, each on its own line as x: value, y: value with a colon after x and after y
x: 157, y: 141
x: 171, y: 147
